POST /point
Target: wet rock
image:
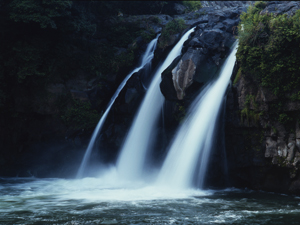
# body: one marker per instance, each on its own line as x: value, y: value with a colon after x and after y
x: 295, y: 187
x: 271, y: 148
x: 174, y: 9
x: 195, y: 43
x: 231, y: 25
x: 224, y: 4
x: 183, y: 73
x: 278, y: 8
x: 166, y: 86
x: 212, y: 38
x: 291, y: 148
x: 130, y: 94
x: 296, y: 159
x: 279, y: 146
x: 220, y: 26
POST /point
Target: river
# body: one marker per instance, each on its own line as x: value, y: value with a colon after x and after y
x: 105, y: 201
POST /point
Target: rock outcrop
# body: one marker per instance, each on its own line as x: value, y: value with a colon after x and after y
x: 262, y: 153
x: 262, y: 131
x: 204, y: 52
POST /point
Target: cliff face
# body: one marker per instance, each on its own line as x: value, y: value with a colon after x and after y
x: 262, y: 114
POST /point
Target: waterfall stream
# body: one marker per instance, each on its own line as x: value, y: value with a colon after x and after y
x: 146, y: 60
x: 194, y: 138
x: 107, y: 199
x: 131, y: 160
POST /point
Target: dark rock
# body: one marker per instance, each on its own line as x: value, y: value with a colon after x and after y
x: 212, y: 38
x: 130, y: 94
x: 278, y: 8
x: 294, y: 188
x: 224, y: 4
x: 166, y: 85
x: 183, y: 73
x: 216, y: 17
x: 174, y: 9
x: 230, y: 24
x: 195, y: 43
x: 220, y: 26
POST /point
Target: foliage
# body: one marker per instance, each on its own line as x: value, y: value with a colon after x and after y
x: 269, y: 52
x: 296, y: 96
x: 48, y: 41
x: 80, y: 115
x: 192, y: 5
x: 173, y: 27
x: 250, y: 110
x: 156, y: 19
x: 283, y: 118
x: 29, y: 60
x: 148, y: 35
x: 43, y: 12
x: 269, y: 48
x: 238, y: 76
x: 180, y: 112
x: 122, y: 60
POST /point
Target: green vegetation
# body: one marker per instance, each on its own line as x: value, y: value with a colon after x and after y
x: 269, y: 52
x: 192, y: 5
x: 250, y: 114
x: 269, y: 48
x: 43, y: 12
x: 237, y: 76
x: 80, y: 115
x: 173, y: 27
x: 180, y: 112
x: 49, y: 41
x: 148, y: 35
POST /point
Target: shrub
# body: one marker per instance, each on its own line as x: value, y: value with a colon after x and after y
x: 269, y: 48
x: 80, y: 115
x: 173, y: 27
x: 192, y: 5
x: 269, y: 53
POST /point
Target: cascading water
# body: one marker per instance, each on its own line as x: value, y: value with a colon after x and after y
x: 131, y: 160
x: 194, y: 139
x: 146, y: 60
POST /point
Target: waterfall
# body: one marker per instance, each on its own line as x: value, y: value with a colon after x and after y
x: 146, y: 59
x: 193, y: 141
x: 130, y: 163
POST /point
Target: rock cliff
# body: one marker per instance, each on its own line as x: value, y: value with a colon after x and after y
x: 262, y: 124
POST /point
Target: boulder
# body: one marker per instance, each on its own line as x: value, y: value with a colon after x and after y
x: 230, y: 24
x: 166, y: 85
x: 271, y: 148
x: 174, y: 9
x: 278, y: 8
x: 183, y: 73
x: 212, y: 38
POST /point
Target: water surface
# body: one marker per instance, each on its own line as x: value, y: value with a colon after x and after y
x: 105, y: 201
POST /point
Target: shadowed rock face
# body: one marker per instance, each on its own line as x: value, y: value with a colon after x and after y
x: 262, y: 152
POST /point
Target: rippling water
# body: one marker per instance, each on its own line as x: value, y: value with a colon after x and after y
x: 104, y: 201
